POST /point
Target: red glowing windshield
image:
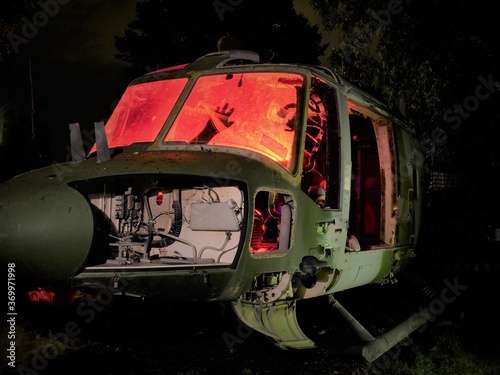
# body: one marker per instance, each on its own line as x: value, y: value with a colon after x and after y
x: 142, y: 111
x: 251, y: 111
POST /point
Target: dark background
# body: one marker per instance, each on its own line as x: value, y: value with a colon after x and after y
x: 68, y: 72
x: 75, y: 77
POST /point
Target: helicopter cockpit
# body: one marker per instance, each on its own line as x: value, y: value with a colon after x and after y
x: 247, y: 111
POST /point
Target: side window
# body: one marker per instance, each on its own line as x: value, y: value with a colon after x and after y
x: 321, y: 165
x: 272, y: 227
x: 372, y: 180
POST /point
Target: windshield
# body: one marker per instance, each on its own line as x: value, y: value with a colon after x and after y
x: 142, y: 111
x: 251, y: 111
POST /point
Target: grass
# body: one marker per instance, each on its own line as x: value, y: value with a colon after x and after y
x: 448, y: 356
x: 439, y: 350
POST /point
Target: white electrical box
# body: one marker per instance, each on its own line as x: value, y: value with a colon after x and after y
x: 219, y: 216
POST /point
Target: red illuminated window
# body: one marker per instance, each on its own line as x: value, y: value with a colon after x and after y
x: 142, y: 111
x: 251, y: 111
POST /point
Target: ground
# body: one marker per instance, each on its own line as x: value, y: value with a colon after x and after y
x: 154, y: 337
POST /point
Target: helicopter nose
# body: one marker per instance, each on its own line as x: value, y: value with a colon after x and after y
x: 46, y: 229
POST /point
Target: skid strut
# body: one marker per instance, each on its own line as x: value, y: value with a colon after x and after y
x: 375, y: 347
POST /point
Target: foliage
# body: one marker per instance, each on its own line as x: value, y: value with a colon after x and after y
x: 416, y: 56
x: 167, y: 33
x: 446, y: 357
x: 11, y: 12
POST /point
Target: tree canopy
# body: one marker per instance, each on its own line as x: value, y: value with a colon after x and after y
x: 439, y: 61
x: 161, y: 35
x: 11, y: 11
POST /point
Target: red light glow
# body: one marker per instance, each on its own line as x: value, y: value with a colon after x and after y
x: 41, y: 295
x: 142, y: 111
x: 159, y: 198
x: 243, y: 111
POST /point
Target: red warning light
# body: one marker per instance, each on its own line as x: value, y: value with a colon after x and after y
x: 41, y: 295
x: 159, y: 198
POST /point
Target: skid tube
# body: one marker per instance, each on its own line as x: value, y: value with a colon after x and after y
x: 375, y: 347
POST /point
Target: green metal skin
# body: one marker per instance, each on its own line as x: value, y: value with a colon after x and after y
x: 47, y: 227
x: 47, y: 249
x: 49, y: 230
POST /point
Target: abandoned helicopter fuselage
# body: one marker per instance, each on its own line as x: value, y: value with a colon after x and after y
x: 225, y: 180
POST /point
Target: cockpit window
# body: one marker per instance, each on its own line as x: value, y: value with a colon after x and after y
x: 251, y: 111
x: 142, y: 111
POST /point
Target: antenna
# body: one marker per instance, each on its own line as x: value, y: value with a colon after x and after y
x: 32, y: 101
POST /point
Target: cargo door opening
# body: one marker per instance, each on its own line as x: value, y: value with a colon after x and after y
x: 372, y: 179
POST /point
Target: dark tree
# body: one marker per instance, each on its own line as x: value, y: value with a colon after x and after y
x: 167, y: 33
x: 11, y: 12
x: 428, y: 59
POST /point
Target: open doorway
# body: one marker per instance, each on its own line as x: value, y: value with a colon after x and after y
x: 372, y: 179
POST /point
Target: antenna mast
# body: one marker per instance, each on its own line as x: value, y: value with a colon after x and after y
x: 32, y: 102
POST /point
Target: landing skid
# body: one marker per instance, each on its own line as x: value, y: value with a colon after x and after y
x: 375, y: 347
x: 278, y: 320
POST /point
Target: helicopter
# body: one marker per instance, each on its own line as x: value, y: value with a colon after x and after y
x: 227, y: 179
